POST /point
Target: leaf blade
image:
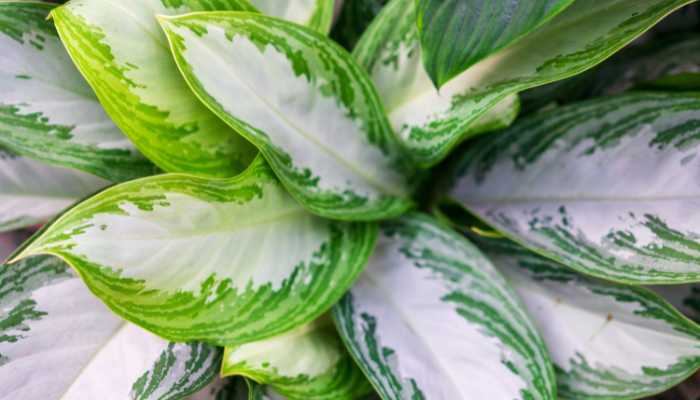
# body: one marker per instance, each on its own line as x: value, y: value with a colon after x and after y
x: 143, y: 91
x: 32, y: 193
x: 51, y: 315
x: 394, y: 340
x: 316, y: 14
x: 47, y: 111
x: 135, y: 244
x: 669, y: 64
x: 430, y: 123
x: 592, y: 328
x: 632, y: 231
x: 309, y: 362
x: 297, y: 84
x: 449, y: 47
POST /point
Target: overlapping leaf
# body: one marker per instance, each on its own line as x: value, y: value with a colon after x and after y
x: 431, y: 318
x: 303, y: 101
x: 307, y: 363
x: 316, y: 14
x: 226, y: 261
x: 456, y: 34
x: 121, y: 50
x: 607, y: 341
x: 58, y: 341
x: 32, y: 193
x: 608, y: 187
x: 47, y: 111
x: 431, y: 122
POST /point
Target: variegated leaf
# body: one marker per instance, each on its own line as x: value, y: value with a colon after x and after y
x: 431, y: 318
x: 431, y: 123
x: 456, y: 34
x: 32, y: 193
x: 47, y: 111
x: 121, y: 50
x: 227, y: 261
x: 608, y: 187
x: 607, y: 341
x: 662, y: 64
x: 316, y: 14
x: 307, y: 363
x: 57, y: 341
x: 312, y: 111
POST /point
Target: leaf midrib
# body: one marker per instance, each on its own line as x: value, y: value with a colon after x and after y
x: 94, y: 356
x: 622, y: 321
x: 219, y: 229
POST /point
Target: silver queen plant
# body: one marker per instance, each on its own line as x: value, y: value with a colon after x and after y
x: 236, y: 207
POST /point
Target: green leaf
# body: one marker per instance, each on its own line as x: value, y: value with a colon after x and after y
x: 607, y: 187
x: 312, y: 111
x: 32, y: 193
x: 431, y: 318
x: 316, y: 14
x: 307, y: 363
x: 141, y: 88
x: 355, y: 16
x: 662, y: 64
x: 47, y: 111
x: 58, y: 341
x: 188, y: 257
x: 456, y: 34
x: 431, y: 123
x: 607, y: 341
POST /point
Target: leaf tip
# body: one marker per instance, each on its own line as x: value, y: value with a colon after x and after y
x: 436, y: 76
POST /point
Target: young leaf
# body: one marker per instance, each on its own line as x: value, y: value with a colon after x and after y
x: 307, y: 363
x: 47, y: 111
x: 607, y: 341
x: 32, y: 193
x: 431, y: 123
x: 312, y: 112
x: 140, y: 87
x: 58, y: 341
x: 608, y: 187
x: 227, y: 261
x: 316, y: 14
x: 456, y: 34
x: 430, y: 318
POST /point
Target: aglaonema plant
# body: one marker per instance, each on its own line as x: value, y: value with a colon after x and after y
x: 234, y: 206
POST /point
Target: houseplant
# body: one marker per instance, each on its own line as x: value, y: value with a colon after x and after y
x: 253, y: 201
